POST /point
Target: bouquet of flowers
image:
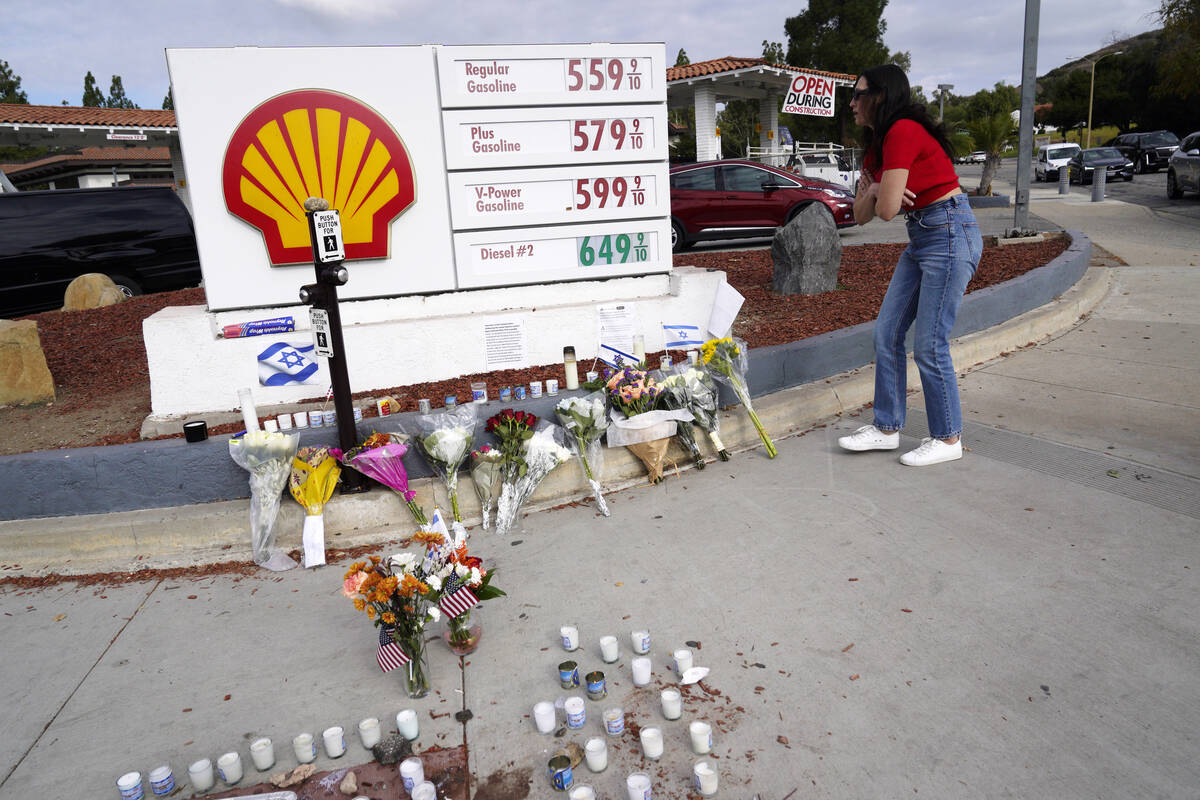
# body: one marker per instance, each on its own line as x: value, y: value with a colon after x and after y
x: 702, y: 402
x: 487, y: 464
x: 405, y: 592
x: 726, y: 359
x: 584, y: 421
x: 637, y: 421
x: 379, y: 458
x: 445, y: 441
x: 314, y: 476
x: 673, y: 394
x: 540, y: 453
x: 268, y: 459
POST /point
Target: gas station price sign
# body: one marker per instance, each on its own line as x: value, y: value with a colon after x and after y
x: 550, y: 75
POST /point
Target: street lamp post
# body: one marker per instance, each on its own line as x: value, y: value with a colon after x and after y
x: 1092, y: 89
x: 942, y: 89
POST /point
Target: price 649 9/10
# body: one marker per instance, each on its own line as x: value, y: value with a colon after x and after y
x: 609, y: 249
x: 607, y: 134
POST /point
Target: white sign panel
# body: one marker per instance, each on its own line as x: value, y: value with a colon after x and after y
x: 569, y: 252
x: 322, y: 342
x: 504, y: 198
x: 527, y: 137
x: 328, y: 227
x: 551, y: 75
x: 811, y: 95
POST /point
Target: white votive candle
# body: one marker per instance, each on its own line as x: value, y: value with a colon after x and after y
x: 652, y: 742
x: 543, y: 716
x: 424, y: 791
x: 262, y: 753
x: 704, y: 777
x: 610, y: 649
x: 672, y: 703
x: 335, y: 741
x: 582, y: 792
x: 230, y: 768
x: 407, y: 724
x: 368, y: 732
x: 570, y: 637
x: 701, y: 733
x: 305, y: 748
x: 595, y: 752
x: 284, y: 422
x: 683, y: 661
x: 637, y: 786
x: 640, y: 641
x: 576, y: 712
x: 270, y: 426
x: 200, y: 773
x: 412, y: 772
x: 641, y: 671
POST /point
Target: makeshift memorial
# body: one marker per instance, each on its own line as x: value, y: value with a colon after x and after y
x: 268, y: 459
x: 540, y: 453
x: 445, y: 441
x: 584, y: 420
x: 674, y: 395
x: 405, y: 592
x: 463, y: 629
x: 487, y: 466
x: 314, y: 476
x: 726, y: 359
x: 702, y: 402
x: 637, y: 421
x: 379, y: 458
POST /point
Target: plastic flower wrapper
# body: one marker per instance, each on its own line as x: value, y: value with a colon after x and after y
x: 673, y: 395
x: 268, y: 459
x: 541, y: 453
x: 487, y: 466
x: 726, y: 359
x: 379, y: 458
x: 637, y: 421
x: 314, y: 476
x: 584, y: 420
x: 445, y: 440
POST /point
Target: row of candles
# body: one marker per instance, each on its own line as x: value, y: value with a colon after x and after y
x: 638, y: 784
x: 229, y: 768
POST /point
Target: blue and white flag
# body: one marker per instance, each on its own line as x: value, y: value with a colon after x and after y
x: 614, y: 357
x: 284, y: 363
x: 682, y: 335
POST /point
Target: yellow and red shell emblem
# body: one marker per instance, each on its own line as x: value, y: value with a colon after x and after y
x: 317, y: 143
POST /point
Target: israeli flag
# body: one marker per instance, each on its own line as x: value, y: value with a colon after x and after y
x: 283, y: 363
x: 681, y: 335
x: 614, y: 357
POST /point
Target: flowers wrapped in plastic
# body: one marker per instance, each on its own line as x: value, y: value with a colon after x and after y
x: 487, y: 467
x: 702, y: 402
x: 541, y: 452
x: 268, y: 459
x: 637, y: 420
x: 726, y: 359
x: 379, y: 458
x: 673, y: 394
x: 584, y: 420
x: 314, y: 476
x: 445, y: 440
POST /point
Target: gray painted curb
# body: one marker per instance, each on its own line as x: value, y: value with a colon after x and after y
x: 172, y: 473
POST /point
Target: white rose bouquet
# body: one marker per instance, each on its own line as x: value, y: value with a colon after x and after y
x: 541, y: 453
x: 445, y: 440
x: 584, y: 420
x: 268, y: 459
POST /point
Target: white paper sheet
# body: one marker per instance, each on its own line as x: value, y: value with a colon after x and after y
x: 314, y: 540
x: 504, y: 342
x: 726, y: 306
x: 617, y: 324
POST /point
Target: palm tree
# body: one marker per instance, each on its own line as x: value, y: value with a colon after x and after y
x: 991, y: 135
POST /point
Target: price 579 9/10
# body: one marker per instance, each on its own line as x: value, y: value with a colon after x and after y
x: 607, y: 134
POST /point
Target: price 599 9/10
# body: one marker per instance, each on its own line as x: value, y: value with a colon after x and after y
x: 607, y: 134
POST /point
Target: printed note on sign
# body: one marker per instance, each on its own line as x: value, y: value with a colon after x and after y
x: 617, y: 324
x: 504, y: 343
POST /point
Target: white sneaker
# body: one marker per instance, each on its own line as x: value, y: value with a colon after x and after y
x: 868, y: 437
x: 932, y: 451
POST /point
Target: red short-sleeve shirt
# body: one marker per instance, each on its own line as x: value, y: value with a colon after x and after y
x: 909, y: 146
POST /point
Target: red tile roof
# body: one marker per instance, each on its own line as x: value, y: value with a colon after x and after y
x: 73, y: 115
x: 94, y: 154
x: 731, y: 63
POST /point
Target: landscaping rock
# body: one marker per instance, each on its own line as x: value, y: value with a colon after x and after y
x: 24, y: 376
x: 349, y: 785
x: 807, y: 253
x: 392, y: 749
x: 91, y: 291
x: 297, y: 775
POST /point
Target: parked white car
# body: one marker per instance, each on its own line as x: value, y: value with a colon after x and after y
x: 1051, y: 158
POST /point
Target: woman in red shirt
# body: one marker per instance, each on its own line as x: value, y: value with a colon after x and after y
x: 907, y: 168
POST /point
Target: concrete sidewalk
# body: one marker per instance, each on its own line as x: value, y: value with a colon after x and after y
x: 1022, y: 623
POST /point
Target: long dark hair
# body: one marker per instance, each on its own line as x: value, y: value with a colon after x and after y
x: 889, y: 85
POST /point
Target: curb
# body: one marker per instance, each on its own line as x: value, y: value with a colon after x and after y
x: 215, y: 532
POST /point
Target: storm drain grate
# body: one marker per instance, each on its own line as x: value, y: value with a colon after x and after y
x: 1167, y: 490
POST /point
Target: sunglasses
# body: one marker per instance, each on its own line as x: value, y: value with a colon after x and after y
x: 858, y: 93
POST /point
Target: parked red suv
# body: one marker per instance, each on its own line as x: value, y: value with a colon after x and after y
x: 735, y: 199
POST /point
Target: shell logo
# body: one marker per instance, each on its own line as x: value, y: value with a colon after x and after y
x: 317, y: 143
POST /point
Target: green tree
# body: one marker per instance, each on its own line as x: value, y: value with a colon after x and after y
x: 681, y: 60
x: 773, y: 52
x: 116, y: 95
x: 1179, y: 66
x: 169, y: 100
x: 10, y: 86
x: 991, y: 134
x: 683, y: 146
x: 92, y: 97
x: 737, y: 122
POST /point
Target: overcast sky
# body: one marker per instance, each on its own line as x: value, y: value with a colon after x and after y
x: 972, y: 44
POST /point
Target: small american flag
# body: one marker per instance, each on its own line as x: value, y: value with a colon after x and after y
x: 459, y: 602
x: 390, y: 654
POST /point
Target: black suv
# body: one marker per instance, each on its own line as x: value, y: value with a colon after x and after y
x: 1148, y: 151
x: 141, y: 237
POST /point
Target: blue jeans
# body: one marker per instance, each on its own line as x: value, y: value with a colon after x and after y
x: 927, y: 286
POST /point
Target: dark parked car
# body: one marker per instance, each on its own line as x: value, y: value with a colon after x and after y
x: 1148, y: 151
x: 141, y: 237
x: 737, y: 199
x: 1183, y: 170
x: 1083, y: 164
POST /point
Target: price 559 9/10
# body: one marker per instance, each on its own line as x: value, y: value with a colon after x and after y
x: 607, y: 134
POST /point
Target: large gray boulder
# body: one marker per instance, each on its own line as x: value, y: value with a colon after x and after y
x: 807, y: 253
